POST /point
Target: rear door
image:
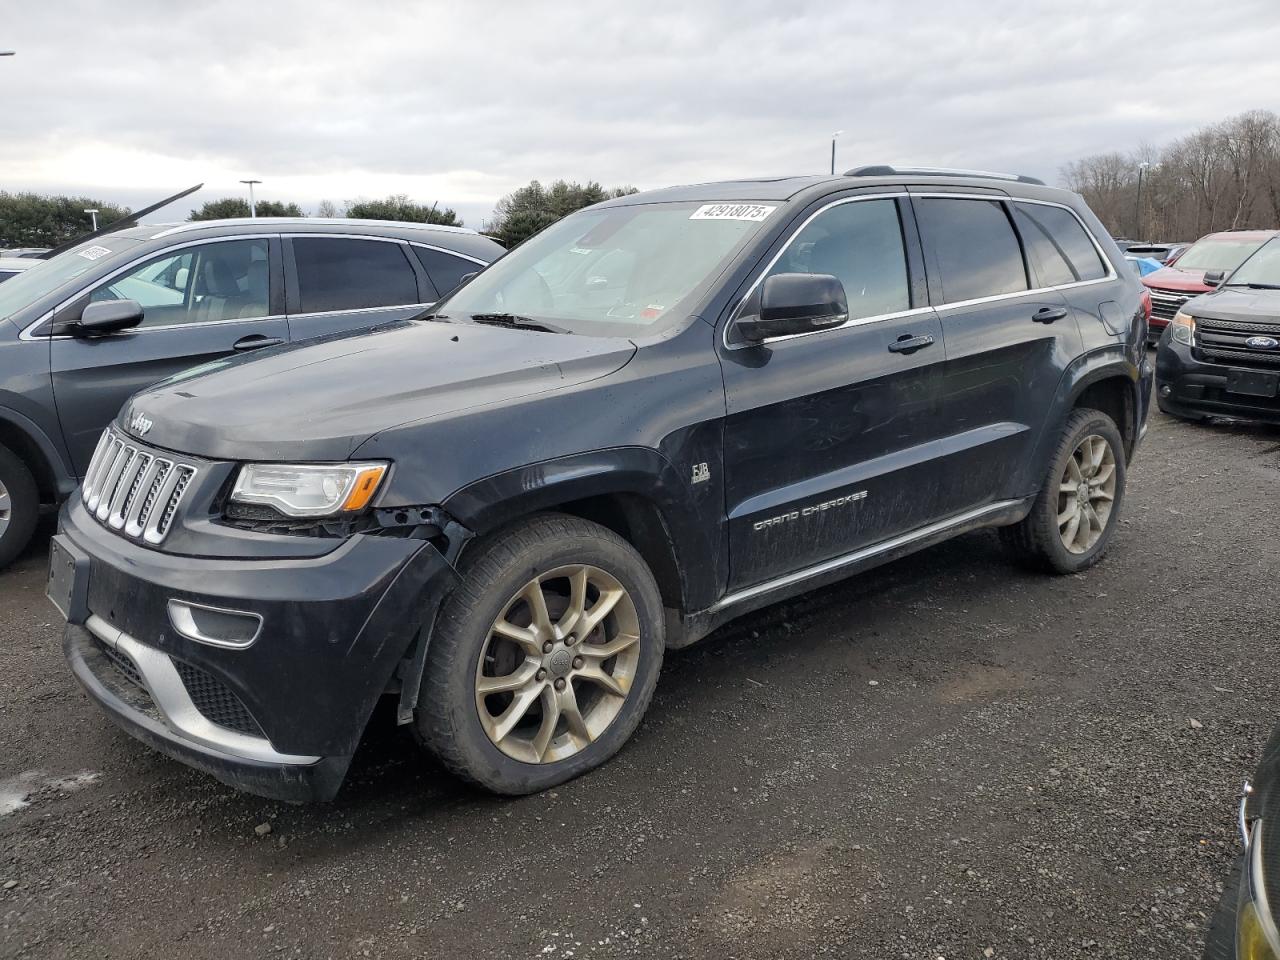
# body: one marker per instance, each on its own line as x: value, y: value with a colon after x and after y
x: 201, y: 301
x: 339, y: 284
x: 1009, y: 339
x: 829, y: 437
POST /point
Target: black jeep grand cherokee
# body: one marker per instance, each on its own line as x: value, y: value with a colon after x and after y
x: 660, y: 413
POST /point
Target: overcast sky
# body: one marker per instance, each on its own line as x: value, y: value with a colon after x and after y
x: 462, y: 102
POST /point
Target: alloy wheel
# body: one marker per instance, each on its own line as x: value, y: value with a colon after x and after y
x: 558, y: 664
x: 1086, y: 494
x: 6, y: 508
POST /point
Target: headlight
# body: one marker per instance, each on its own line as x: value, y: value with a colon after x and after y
x: 1184, y: 328
x: 309, y: 490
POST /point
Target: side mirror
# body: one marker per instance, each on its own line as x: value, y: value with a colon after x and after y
x: 108, y: 316
x: 1214, y: 278
x: 792, y: 303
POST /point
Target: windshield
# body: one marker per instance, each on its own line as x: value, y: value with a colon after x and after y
x: 1263, y: 268
x: 47, y: 275
x: 1209, y: 254
x: 617, y: 271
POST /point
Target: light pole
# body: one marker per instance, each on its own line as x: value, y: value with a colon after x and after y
x: 833, y: 151
x: 253, y: 207
x: 93, y: 213
x: 1137, y: 212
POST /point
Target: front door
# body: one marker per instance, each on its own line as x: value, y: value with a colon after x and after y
x: 829, y: 436
x: 200, y: 302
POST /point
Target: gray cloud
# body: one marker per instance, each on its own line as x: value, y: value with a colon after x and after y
x: 463, y: 102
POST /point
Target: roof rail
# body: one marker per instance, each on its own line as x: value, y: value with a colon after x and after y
x: 884, y: 170
x: 268, y: 222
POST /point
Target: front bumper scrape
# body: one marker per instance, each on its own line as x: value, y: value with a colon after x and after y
x: 283, y: 777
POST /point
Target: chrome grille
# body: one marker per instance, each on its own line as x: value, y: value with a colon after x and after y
x: 1223, y: 341
x: 133, y: 489
x: 1166, y: 303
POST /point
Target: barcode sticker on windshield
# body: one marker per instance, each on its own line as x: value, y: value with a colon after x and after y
x: 94, y: 252
x: 732, y: 211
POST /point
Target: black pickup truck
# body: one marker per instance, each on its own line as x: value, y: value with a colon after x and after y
x: 660, y: 413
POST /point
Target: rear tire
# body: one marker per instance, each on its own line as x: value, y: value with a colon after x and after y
x: 19, y: 506
x: 1069, y: 530
x: 544, y: 658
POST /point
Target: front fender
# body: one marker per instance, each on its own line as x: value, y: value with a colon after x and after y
x: 488, y: 504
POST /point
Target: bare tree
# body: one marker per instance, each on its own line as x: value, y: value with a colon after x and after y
x: 1221, y: 177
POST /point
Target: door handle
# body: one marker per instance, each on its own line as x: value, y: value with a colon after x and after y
x: 909, y: 344
x: 1049, y: 314
x: 256, y: 341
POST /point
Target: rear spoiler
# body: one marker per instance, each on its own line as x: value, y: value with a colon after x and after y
x: 130, y: 220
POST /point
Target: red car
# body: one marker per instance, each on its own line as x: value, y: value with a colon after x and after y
x: 1184, y: 278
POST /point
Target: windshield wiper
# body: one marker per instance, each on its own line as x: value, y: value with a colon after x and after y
x: 1255, y: 286
x: 514, y: 321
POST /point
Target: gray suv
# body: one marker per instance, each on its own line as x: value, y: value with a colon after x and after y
x: 81, y: 332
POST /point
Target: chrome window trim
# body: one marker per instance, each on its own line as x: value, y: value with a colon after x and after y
x: 174, y: 703
x: 949, y: 305
x: 863, y: 553
x: 137, y: 261
x: 339, y: 313
x: 452, y: 253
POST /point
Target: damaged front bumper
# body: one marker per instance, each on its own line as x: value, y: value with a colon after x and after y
x: 276, y: 710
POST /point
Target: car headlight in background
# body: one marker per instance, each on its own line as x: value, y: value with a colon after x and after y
x: 310, y: 489
x: 1256, y: 934
x: 1183, y: 328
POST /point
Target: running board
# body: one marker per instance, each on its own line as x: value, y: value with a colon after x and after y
x: 835, y: 564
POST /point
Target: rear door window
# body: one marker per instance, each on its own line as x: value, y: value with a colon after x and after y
x: 445, y: 270
x: 337, y: 273
x: 974, y: 249
x: 1057, y: 244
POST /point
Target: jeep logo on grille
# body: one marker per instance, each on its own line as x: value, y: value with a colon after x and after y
x: 139, y: 425
x: 1262, y: 343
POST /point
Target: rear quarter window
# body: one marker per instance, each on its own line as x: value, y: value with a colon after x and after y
x: 1058, y: 245
x: 445, y: 270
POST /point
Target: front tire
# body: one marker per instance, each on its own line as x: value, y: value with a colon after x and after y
x: 544, y: 658
x: 1076, y: 511
x: 19, y: 506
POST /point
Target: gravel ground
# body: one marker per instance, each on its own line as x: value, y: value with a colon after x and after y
x: 947, y: 757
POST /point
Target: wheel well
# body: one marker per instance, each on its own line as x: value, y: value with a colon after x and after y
x: 640, y: 523
x: 29, y: 452
x: 1114, y: 397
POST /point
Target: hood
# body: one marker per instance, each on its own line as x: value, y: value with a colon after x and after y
x: 1172, y: 278
x: 321, y: 399
x: 1238, y: 303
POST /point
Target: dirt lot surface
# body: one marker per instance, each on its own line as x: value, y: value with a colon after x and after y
x: 947, y: 757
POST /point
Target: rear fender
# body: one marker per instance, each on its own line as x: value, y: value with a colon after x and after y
x: 1093, y: 367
